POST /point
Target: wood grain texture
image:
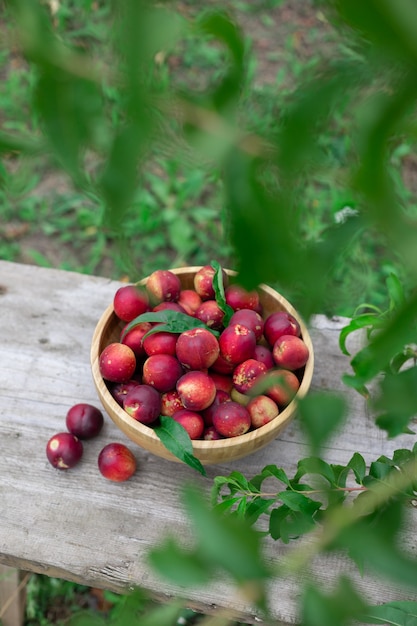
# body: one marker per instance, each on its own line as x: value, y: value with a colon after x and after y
x: 79, y: 526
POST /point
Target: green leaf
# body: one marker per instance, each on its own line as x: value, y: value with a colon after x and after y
x: 315, y: 465
x: 358, y: 466
x: 278, y: 515
x: 260, y: 223
x: 69, y: 108
x: 226, y: 505
x: 375, y: 540
x: 124, y: 612
x: 397, y: 401
x: 365, y: 320
x: 129, y: 606
x: 321, y: 414
x: 225, y: 541
x: 167, y: 614
x: 12, y: 143
x: 176, y: 439
x: 341, y: 473
x: 257, y: 507
x: 374, y: 178
x: 380, y: 469
x: 390, y: 26
x: 309, y: 110
x: 398, y: 360
x: 182, y: 567
x: 237, y: 482
x: 395, y: 292
x: 355, y: 383
x: 87, y: 619
x: 296, y: 524
x: 276, y: 472
x: 218, y: 484
x: 402, y: 456
x: 218, y: 287
x: 299, y: 502
x: 240, y: 510
x: 337, y: 608
x: 402, y: 613
x: 219, y: 25
x: 119, y: 177
x: 168, y: 321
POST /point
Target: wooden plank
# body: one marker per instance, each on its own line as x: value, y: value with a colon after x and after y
x: 12, y: 597
x: 83, y: 528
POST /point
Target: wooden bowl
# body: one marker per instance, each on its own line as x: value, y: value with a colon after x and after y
x: 208, y: 452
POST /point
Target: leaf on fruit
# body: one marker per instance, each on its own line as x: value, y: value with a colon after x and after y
x: 219, y: 292
x: 168, y: 321
x: 177, y: 441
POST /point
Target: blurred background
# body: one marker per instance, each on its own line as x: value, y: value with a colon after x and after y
x: 177, y: 213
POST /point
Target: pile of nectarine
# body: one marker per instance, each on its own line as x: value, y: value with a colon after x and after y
x: 84, y: 421
x: 219, y: 367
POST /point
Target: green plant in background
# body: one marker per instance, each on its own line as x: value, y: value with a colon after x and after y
x: 107, y: 118
x: 154, y: 233
x: 40, y: 591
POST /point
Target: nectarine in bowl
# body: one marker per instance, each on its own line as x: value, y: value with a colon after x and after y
x: 219, y: 448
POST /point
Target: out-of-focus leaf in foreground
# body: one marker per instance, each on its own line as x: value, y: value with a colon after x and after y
x: 336, y: 608
x: 321, y: 415
x: 397, y: 613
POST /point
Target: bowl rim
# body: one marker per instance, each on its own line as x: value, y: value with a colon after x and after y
x: 200, y: 445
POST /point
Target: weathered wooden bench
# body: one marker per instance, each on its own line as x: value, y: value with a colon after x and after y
x: 81, y: 527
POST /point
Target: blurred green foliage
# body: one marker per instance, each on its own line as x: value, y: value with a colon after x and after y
x: 107, y: 108
x: 174, y: 201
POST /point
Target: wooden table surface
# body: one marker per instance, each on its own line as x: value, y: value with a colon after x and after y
x: 79, y: 526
